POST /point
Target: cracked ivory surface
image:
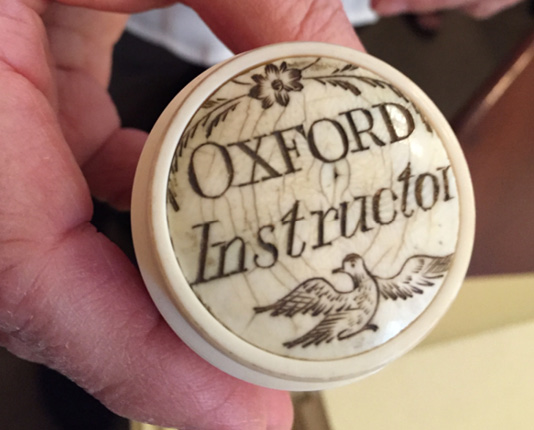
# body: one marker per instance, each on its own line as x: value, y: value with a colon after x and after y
x: 285, y: 172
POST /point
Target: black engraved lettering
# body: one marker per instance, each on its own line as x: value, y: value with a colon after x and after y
x: 363, y: 213
x: 404, y: 177
x: 239, y: 262
x: 193, y: 178
x: 340, y: 132
x: 171, y: 198
x: 257, y: 160
x: 393, y: 131
x: 361, y: 222
x: 377, y: 206
x: 420, y: 184
x: 357, y: 132
x: 204, y: 239
x: 291, y: 218
x: 320, y: 226
x: 285, y: 149
x: 267, y: 246
x: 446, y: 185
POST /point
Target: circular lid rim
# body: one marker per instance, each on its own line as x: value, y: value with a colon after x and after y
x: 214, y: 332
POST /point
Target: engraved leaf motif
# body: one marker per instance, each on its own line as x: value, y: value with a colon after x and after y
x: 171, y: 198
x: 220, y: 117
x: 188, y: 134
x: 375, y: 83
x: 213, y: 102
x: 379, y: 83
x: 341, y: 83
x: 210, y: 120
x: 346, y: 68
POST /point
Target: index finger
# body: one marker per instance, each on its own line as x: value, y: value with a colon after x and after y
x: 247, y: 24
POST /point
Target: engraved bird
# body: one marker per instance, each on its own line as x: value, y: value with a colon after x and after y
x: 346, y: 314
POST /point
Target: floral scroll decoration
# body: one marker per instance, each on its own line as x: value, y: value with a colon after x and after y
x: 274, y: 87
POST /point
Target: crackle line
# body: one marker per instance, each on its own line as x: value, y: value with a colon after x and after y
x: 381, y: 258
x: 408, y: 220
x: 289, y: 273
x: 244, y: 122
x: 250, y: 289
x: 257, y: 122
x: 279, y: 118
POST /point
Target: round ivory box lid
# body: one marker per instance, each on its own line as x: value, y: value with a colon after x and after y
x: 302, y: 215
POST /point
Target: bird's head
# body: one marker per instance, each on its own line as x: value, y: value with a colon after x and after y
x: 353, y: 266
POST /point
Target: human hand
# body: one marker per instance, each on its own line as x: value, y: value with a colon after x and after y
x: 475, y: 8
x: 68, y: 297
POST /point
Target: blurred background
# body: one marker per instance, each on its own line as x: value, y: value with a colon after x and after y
x: 469, y: 68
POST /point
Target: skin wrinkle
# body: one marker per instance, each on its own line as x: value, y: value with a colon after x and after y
x: 204, y: 413
x: 92, y: 50
x: 124, y: 144
x: 29, y: 329
x: 113, y: 393
x: 35, y: 253
x: 29, y: 104
x: 114, y: 387
x: 86, y: 148
x: 326, y: 14
x: 220, y: 404
x: 23, y: 98
x: 40, y: 359
x: 75, y: 46
x: 29, y: 29
x: 20, y: 329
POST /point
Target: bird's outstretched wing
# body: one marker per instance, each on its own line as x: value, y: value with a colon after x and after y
x: 315, y: 296
x: 325, y: 331
x: 417, y: 272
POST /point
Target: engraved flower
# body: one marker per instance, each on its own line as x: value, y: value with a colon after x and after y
x: 275, y: 85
